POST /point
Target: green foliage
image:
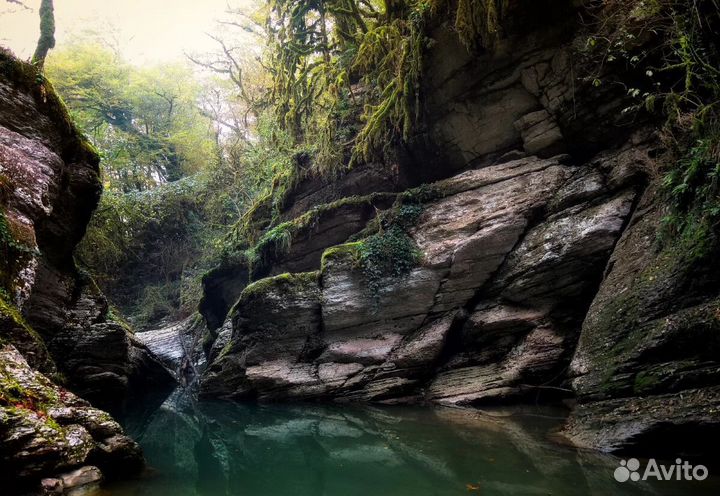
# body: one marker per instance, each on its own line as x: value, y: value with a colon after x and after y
x: 145, y: 122
x: 670, y: 48
x: 265, y: 170
x: 318, y: 51
x: 148, y: 249
x: 168, y: 195
x: 693, y: 186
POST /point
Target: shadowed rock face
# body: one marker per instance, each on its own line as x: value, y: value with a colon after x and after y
x: 647, y: 361
x: 53, y: 318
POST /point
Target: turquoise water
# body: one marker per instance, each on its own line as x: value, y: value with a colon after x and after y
x: 215, y: 449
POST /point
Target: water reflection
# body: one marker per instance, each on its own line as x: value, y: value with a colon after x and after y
x: 215, y: 449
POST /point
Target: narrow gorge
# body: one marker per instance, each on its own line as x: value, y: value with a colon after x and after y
x: 508, y: 205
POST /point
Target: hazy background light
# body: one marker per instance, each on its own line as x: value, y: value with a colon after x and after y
x: 144, y: 31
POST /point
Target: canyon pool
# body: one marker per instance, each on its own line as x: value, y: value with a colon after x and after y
x: 216, y: 449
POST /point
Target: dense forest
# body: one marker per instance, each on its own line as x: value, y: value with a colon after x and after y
x: 448, y: 203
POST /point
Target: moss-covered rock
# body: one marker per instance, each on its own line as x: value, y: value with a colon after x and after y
x: 295, y: 245
x: 15, y: 329
x: 276, y: 318
x: 653, y: 331
x: 46, y: 430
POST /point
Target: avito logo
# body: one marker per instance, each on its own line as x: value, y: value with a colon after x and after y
x: 629, y: 470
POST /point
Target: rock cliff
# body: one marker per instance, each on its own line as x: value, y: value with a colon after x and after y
x: 531, y: 207
x: 51, y: 312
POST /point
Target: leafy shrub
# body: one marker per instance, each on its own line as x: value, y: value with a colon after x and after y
x: 671, y: 49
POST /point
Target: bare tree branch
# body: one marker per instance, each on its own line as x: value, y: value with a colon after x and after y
x: 18, y: 2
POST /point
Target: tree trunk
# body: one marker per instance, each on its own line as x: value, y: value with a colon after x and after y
x: 47, y: 33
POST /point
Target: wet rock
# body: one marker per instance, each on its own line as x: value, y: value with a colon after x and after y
x: 261, y: 334
x: 52, y: 486
x: 46, y: 430
x: 84, y: 480
x: 178, y: 346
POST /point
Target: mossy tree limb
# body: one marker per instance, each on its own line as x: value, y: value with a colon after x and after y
x: 47, y: 33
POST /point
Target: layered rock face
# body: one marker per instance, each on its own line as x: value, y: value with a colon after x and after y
x: 53, y: 319
x: 539, y: 275
x: 510, y: 253
x: 50, y: 187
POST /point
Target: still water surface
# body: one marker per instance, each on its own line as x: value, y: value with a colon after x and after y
x: 218, y: 449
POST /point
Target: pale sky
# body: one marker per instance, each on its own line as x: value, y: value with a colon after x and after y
x: 146, y: 31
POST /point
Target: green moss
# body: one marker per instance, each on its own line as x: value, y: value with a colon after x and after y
x: 645, y: 381
x: 623, y: 320
x: 114, y: 315
x: 15, y: 330
x: 11, y: 391
x: 227, y: 349
x: 8, y: 310
x: 385, y: 249
x: 347, y: 250
x: 277, y: 242
x: 388, y: 254
x: 283, y: 284
x: 425, y: 193
x: 265, y: 209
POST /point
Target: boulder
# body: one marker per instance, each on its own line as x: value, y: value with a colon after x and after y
x: 47, y: 430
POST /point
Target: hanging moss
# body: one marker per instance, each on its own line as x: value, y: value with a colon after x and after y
x: 477, y: 22
x: 47, y: 32
x: 382, y: 45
